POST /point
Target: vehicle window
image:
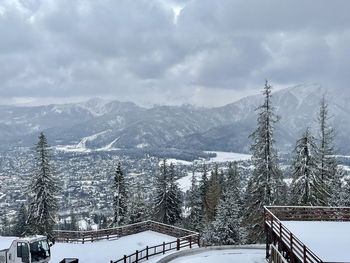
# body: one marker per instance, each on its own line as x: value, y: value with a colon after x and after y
x: 23, y: 252
x: 39, y: 250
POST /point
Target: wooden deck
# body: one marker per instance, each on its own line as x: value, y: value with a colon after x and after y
x: 289, y: 246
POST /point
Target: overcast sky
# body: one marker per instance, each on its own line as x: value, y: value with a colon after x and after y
x: 203, y: 52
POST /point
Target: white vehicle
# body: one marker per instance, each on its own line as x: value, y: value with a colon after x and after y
x: 24, y: 250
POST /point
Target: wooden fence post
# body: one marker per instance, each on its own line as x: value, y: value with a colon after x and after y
x: 147, y: 252
x: 137, y: 256
x: 124, y: 258
x: 178, y: 244
x: 190, y: 241
x: 163, y: 248
x: 304, y: 253
x: 292, y: 258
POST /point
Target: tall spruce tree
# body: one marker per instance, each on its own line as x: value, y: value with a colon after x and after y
x: 175, y: 197
x: 43, y: 191
x: 195, y: 205
x: 21, y: 227
x: 120, y: 197
x: 306, y: 185
x: 137, y: 211
x: 161, y: 194
x: 326, y: 161
x: 266, y: 184
x: 225, y: 229
x: 213, y: 194
x: 167, y: 200
x: 203, y: 189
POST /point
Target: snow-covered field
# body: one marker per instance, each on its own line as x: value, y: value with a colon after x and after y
x: 222, y: 157
x: 225, y: 256
x: 328, y: 240
x: 104, y: 251
x: 185, y: 182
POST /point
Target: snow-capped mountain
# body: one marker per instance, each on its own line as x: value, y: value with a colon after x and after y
x: 104, y: 125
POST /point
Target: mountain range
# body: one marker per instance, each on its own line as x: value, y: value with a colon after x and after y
x: 106, y: 125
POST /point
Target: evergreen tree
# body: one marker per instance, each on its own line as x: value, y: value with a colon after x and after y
x: 203, y: 189
x: 21, y: 227
x: 336, y: 188
x: 266, y: 184
x: 43, y: 190
x: 327, y: 164
x: 175, y: 197
x: 345, y: 193
x: 213, y: 194
x: 138, y: 209
x: 73, y: 222
x: 225, y: 229
x: 120, y: 197
x: 167, y: 200
x: 195, y: 205
x: 306, y: 185
x: 161, y: 194
x: 5, y: 229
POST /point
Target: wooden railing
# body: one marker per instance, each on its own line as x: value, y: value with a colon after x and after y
x: 313, y: 213
x: 295, y: 246
x: 276, y: 256
x: 116, y: 232
x: 187, y: 241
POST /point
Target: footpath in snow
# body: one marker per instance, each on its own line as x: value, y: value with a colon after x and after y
x: 106, y: 250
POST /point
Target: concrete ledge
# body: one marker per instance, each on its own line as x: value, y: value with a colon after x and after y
x: 194, y: 251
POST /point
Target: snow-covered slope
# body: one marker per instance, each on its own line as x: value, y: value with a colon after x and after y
x: 185, y: 127
x: 107, y: 250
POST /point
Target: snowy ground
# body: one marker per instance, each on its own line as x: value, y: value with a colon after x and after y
x: 185, y: 182
x: 104, y: 251
x: 328, y: 240
x: 225, y: 256
x: 222, y: 157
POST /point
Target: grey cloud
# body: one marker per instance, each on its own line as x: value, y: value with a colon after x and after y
x: 134, y: 50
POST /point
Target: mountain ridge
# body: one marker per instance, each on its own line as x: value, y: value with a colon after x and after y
x: 127, y: 125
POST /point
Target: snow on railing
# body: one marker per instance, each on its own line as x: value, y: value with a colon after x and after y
x: 116, y: 232
x: 184, y: 242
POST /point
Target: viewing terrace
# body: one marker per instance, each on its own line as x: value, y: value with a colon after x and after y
x: 307, y: 234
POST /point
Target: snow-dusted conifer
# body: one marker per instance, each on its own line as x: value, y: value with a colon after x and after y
x: 325, y: 157
x: 161, y: 194
x: 266, y: 184
x: 195, y: 205
x: 226, y: 226
x: 175, y: 197
x: 203, y: 189
x: 73, y: 222
x: 137, y: 211
x: 43, y: 190
x: 120, y: 197
x: 167, y: 199
x: 21, y: 227
x: 345, y: 193
x: 306, y: 185
x: 213, y: 194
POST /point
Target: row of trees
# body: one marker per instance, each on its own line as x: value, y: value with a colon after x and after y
x: 316, y: 181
